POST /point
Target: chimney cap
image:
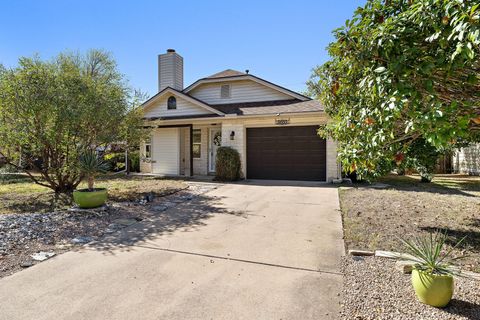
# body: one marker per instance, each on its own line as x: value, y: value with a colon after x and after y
x: 170, y: 50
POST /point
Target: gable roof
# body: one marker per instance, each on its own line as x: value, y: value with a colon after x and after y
x: 270, y: 107
x: 182, y: 95
x: 226, y: 73
x: 244, y: 76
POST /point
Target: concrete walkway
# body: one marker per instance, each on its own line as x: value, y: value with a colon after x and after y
x: 256, y: 250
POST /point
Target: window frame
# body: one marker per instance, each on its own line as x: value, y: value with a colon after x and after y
x: 172, y: 103
x: 198, y: 143
x: 147, y: 143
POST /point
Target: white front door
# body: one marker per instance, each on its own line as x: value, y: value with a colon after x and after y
x: 214, y: 143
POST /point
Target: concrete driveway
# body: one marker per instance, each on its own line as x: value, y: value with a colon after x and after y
x: 256, y: 250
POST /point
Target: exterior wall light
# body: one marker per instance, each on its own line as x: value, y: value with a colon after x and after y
x: 232, y: 135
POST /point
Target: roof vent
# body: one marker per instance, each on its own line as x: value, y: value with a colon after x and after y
x: 170, y: 50
x: 247, y: 71
x: 225, y: 91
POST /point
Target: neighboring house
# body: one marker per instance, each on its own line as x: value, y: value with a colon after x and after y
x: 273, y: 128
x: 467, y: 160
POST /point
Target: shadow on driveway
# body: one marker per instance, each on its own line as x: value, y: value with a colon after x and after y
x: 189, y: 216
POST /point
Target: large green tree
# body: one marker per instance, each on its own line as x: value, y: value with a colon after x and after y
x: 401, y: 71
x: 51, y: 111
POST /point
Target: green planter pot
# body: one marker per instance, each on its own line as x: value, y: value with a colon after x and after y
x: 431, y: 289
x: 90, y: 199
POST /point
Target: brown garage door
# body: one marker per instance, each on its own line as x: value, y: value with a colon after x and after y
x: 286, y: 153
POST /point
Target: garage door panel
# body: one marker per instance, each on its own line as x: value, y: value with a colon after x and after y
x: 287, y: 153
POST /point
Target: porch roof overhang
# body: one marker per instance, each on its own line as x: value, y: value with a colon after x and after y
x: 184, y: 121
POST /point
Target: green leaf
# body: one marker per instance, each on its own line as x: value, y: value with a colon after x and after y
x: 380, y: 69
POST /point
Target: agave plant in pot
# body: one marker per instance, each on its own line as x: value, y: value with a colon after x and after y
x: 90, y: 165
x: 433, y: 268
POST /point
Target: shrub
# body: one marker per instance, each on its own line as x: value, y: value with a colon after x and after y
x: 134, y: 159
x: 227, y: 164
x: 115, y: 161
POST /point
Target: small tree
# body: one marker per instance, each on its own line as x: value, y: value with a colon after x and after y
x: 90, y: 165
x: 50, y: 111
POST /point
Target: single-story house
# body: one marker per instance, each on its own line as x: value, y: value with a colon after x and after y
x: 274, y: 129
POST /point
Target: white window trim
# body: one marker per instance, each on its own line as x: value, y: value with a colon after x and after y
x: 197, y: 143
x: 147, y: 142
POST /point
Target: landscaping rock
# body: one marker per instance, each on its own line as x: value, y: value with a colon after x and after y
x: 159, y: 208
x: 125, y: 222
x: 380, y: 185
x: 373, y: 290
x: 355, y: 252
x: 41, y: 256
x: 26, y: 264
x: 81, y: 240
x: 404, y: 266
x: 387, y: 254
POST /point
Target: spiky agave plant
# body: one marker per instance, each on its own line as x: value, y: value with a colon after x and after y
x: 428, y: 254
x: 90, y: 165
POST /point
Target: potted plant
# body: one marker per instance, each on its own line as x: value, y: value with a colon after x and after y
x: 433, y: 268
x: 90, y: 165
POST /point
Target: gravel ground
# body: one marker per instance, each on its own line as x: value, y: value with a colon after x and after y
x: 373, y: 289
x: 22, y: 235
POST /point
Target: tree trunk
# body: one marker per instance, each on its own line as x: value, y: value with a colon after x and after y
x: 90, y: 183
x: 127, y: 163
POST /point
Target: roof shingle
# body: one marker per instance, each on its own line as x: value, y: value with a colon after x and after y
x: 226, y: 73
x: 270, y: 107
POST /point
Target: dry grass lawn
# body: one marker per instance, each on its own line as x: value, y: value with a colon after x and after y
x: 23, y: 196
x: 377, y: 218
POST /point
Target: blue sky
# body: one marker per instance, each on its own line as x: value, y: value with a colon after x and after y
x: 280, y: 41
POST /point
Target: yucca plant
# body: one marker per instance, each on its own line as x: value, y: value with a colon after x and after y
x: 427, y: 253
x: 90, y: 165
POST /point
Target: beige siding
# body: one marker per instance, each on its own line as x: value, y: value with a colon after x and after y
x: 184, y: 108
x: 238, y: 143
x: 241, y: 91
x: 333, y: 167
x: 166, y: 151
x: 467, y: 160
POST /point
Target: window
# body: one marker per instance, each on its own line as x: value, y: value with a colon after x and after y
x: 172, y: 103
x: 148, y: 148
x: 197, y: 143
x: 225, y: 91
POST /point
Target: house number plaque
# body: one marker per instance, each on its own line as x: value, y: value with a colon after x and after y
x: 282, y: 122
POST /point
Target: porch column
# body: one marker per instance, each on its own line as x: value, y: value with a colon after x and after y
x: 191, y: 149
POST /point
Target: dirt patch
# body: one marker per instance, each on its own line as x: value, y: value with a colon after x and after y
x: 27, y: 197
x: 377, y: 218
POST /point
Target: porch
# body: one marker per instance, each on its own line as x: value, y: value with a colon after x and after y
x: 181, y: 150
